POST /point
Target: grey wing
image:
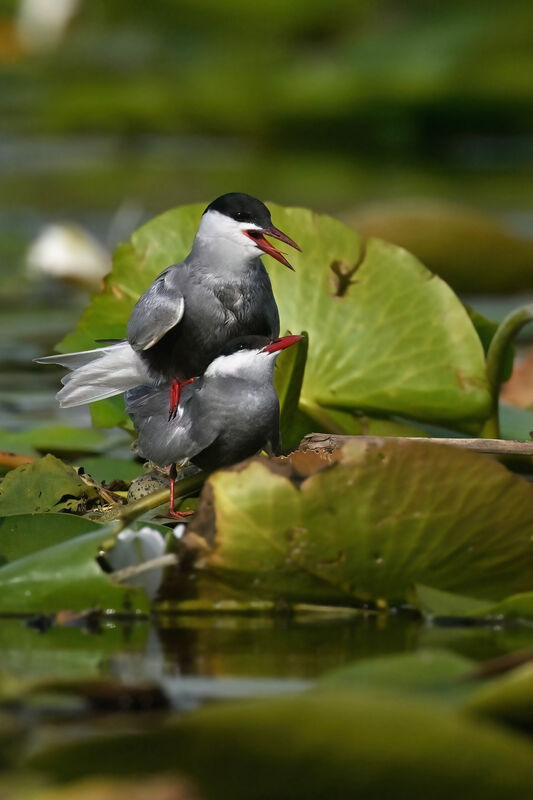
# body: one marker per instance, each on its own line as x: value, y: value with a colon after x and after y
x: 160, y: 440
x: 157, y: 310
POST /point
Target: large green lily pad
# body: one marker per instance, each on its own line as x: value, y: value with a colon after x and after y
x: 385, y: 334
x: 368, y: 527
x: 316, y: 745
x: 46, y: 484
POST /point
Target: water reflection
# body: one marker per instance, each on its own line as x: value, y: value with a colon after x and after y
x: 234, y: 647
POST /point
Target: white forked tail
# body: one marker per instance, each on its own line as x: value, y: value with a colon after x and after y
x: 97, y: 374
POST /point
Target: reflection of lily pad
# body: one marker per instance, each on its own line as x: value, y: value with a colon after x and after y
x: 370, y: 526
x: 385, y: 335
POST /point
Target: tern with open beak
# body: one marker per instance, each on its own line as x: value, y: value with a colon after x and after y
x: 220, y: 292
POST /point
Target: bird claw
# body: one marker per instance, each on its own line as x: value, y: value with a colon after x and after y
x: 179, y: 514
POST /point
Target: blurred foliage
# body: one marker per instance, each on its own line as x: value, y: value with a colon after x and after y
x: 297, y: 98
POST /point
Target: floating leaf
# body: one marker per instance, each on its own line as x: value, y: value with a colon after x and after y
x: 464, y: 246
x: 44, y: 485
x: 61, y: 439
x: 67, y: 576
x: 435, y: 672
x: 380, y: 519
x: 108, y: 469
x: 385, y: 335
x: 22, y: 534
x: 323, y: 744
x: 447, y: 604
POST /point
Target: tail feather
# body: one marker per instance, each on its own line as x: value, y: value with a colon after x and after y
x: 98, y: 374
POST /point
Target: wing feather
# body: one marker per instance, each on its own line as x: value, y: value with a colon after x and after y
x: 158, y: 310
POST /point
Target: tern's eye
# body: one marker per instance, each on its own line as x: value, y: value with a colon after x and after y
x: 242, y: 216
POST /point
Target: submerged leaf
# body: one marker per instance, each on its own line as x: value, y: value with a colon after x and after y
x: 366, y: 524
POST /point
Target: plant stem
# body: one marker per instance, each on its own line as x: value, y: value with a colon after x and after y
x: 501, y: 340
x: 183, y: 488
x: 13, y: 460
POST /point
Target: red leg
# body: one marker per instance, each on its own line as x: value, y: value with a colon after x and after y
x: 175, y: 394
x: 171, y: 512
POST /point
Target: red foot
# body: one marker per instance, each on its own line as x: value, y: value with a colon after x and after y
x: 175, y: 394
x: 179, y: 514
x: 171, y: 513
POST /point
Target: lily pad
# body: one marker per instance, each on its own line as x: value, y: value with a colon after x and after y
x: 22, y: 534
x: 438, y: 673
x: 385, y: 334
x: 67, y: 576
x: 322, y: 744
x: 466, y: 247
x: 436, y: 603
x: 44, y: 485
x: 61, y: 439
x: 367, y: 527
x: 108, y: 469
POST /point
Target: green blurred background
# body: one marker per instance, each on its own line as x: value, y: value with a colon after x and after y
x: 412, y: 120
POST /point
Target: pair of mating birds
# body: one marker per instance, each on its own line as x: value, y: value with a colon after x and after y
x: 203, y: 338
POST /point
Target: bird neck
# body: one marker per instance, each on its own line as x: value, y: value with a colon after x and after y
x: 222, y: 257
x: 249, y: 366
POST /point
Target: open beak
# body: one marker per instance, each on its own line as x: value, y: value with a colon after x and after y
x: 258, y: 237
x: 281, y: 344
